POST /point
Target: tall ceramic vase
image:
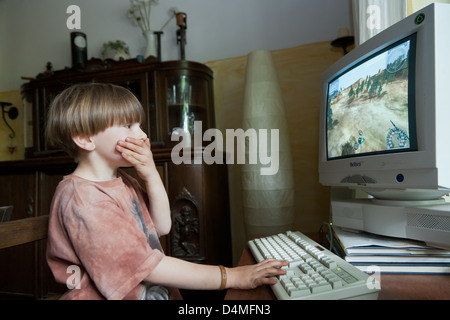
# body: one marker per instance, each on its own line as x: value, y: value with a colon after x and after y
x: 268, y: 199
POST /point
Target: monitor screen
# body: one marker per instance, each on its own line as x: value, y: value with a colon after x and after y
x: 371, y: 107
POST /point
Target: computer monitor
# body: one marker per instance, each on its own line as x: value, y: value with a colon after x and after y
x: 385, y: 112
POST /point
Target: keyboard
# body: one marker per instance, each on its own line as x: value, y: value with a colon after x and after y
x: 313, y: 272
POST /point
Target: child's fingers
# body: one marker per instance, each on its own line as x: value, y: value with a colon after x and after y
x: 137, y: 146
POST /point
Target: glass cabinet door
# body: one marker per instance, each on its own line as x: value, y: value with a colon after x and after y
x: 186, y: 103
x: 141, y: 85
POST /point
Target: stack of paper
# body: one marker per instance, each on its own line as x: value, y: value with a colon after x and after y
x: 370, y: 252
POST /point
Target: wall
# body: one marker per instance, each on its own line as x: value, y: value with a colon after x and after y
x: 33, y: 32
x: 415, y: 5
x: 299, y: 70
x: 6, y: 153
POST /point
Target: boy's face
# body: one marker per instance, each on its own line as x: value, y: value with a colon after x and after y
x: 106, y: 142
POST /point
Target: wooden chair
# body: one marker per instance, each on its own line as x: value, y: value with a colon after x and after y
x: 16, y: 232
x: 23, y: 231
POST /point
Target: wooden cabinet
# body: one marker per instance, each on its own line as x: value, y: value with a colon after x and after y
x: 167, y: 90
x: 174, y: 94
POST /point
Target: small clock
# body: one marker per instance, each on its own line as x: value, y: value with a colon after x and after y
x: 78, y: 43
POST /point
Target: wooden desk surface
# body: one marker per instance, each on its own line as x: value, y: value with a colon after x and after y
x: 393, y: 286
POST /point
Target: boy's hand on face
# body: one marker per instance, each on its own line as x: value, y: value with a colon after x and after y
x: 138, y: 153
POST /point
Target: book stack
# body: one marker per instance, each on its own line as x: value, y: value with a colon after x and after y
x: 371, y: 253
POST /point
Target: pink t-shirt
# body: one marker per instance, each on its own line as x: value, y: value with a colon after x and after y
x: 95, y: 228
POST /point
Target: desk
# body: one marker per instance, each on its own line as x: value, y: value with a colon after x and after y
x: 393, y: 286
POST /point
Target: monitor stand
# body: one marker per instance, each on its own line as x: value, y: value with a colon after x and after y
x: 425, y: 220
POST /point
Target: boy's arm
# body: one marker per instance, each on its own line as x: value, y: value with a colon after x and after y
x: 177, y: 273
x: 139, y: 154
x: 159, y: 206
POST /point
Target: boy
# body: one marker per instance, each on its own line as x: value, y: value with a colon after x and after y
x: 104, y: 228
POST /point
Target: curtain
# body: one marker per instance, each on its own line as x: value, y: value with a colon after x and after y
x: 370, y: 17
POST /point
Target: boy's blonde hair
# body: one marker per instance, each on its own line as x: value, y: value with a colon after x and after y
x: 87, y: 109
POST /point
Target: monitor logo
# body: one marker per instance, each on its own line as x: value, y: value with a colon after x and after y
x: 420, y: 18
x: 355, y: 164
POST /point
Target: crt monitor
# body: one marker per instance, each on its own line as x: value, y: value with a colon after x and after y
x: 385, y: 112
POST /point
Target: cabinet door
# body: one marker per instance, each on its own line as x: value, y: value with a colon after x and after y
x: 142, y: 85
x: 46, y: 97
x: 198, y: 195
x: 185, y: 96
x: 188, y: 233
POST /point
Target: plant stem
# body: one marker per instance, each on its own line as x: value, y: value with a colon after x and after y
x: 167, y: 22
x: 143, y: 18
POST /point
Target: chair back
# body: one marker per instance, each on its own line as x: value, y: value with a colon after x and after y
x: 17, y: 232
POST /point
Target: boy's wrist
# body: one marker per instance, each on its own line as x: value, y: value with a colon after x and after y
x: 151, y: 175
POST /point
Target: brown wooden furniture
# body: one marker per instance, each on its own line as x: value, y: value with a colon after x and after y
x: 393, y: 286
x: 198, y: 193
x: 32, y: 232
x: 17, y: 232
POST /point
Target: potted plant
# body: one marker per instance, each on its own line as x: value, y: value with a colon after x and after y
x: 115, y: 50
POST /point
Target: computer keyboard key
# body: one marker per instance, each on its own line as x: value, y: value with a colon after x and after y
x: 320, y: 287
x: 336, y: 283
x: 297, y: 293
